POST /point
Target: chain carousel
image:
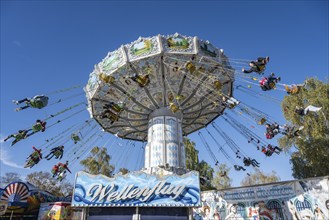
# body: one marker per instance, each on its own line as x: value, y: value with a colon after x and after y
x: 159, y: 89
x: 154, y: 90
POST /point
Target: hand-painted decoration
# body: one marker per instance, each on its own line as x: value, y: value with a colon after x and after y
x: 295, y: 200
x: 178, y: 42
x: 58, y: 211
x: 15, y: 194
x: 136, y: 189
x: 3, y: 207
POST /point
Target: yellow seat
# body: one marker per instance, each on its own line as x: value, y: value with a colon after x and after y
x: 190, y: 67
x: 142, y: 80
x: 106, y: 78
x: 217, y: 85
x: 173, y: 107
x: 262, y: 121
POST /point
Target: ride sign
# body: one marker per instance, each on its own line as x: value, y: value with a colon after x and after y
x: 136, y: 189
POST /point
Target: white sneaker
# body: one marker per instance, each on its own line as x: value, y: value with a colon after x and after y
x: 15, y: 102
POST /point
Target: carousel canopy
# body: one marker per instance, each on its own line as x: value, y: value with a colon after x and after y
x: 185, y: 74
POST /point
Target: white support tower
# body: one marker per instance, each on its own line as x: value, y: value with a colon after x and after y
x: 165, y: 148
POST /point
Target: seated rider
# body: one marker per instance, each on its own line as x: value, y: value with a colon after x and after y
x: 22, y: 134
x: 257, y: 66
x: 54, y: 170
x: 272, y: 130
x: 238, y: 168
x: 230, y: 102
x: 62, y: 167
x: 269, y: 135
x: 248, y: 161
x: 268, y: 83
x: 267, y: 152
x: 274, y: 149
x: 38, y: 101
x: 304, y: 111
x: 36, y: 156
x: 75, y: 138
x: 57, y: 152
x: 291, y: 131
x: 294, y: 89
x: 39, y: 126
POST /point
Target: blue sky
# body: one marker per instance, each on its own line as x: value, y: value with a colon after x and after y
x: 50, y: 45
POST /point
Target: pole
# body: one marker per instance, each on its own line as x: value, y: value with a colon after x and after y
x: 11, y: 215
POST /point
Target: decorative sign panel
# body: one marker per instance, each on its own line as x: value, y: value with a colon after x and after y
x: 136, y: 189
x: 293, y: 200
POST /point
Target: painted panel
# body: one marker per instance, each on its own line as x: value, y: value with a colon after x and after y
x: 178, y: 44
x: 58, y: 211
x: 143, y: 47
x: 136, y: 189
x: 295, y: 200
x: 112, y: 61
x: 3, y: 207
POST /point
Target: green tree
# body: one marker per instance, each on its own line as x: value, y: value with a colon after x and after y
x: 123, y: 170
x: 258, y: 177
x: 221, y: 179
x: 98, y: 162
x: 192, y: 158
x: 206, y: 173
x: 192, y: 163
x: 310, y: 157
x: 44, y: 181
x: 10, y: 177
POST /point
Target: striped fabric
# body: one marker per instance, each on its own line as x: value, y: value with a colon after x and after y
x: 15, y: 192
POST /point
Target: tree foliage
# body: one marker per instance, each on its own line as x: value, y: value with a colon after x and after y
x: 10, y: 177
x: 207, y: 173
x: 192, y: 159
x: 311, y: 156
x: 258, y: 177
x: 44, y: 181
x: 311, y: 159
x: 221, y: 179
x: 192, y: 163
x: 98, y: 162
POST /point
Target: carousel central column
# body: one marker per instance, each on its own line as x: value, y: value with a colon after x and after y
x: 165, y: 148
